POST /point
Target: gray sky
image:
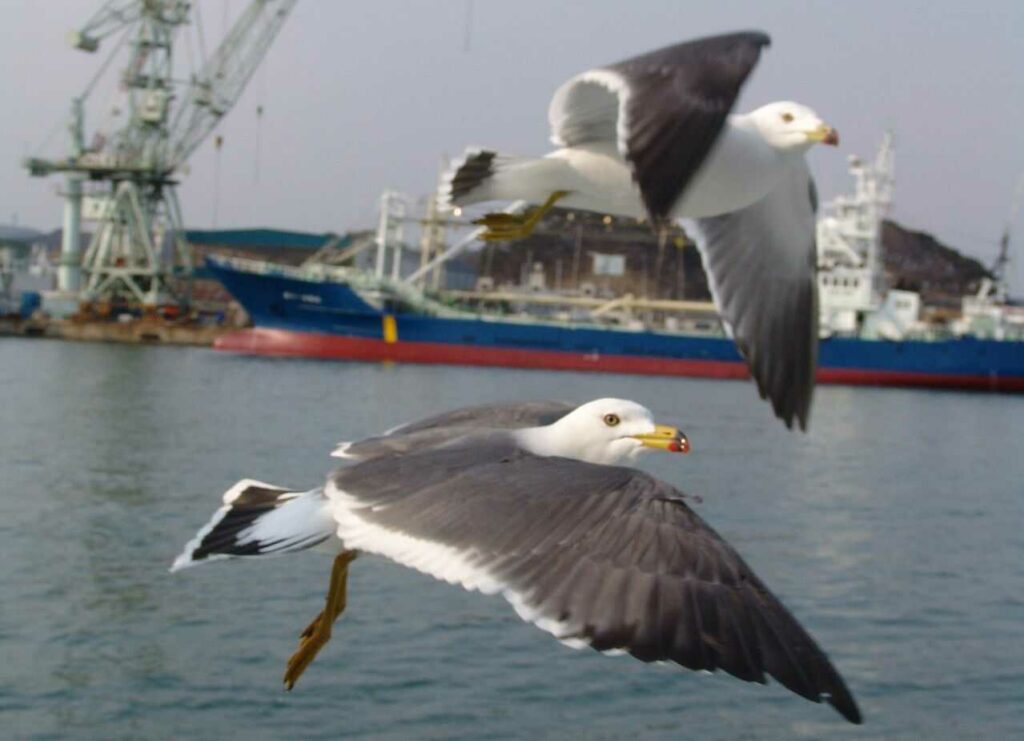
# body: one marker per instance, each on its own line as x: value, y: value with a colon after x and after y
x: 368, y: 94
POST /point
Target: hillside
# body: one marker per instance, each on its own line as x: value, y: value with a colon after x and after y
x: 565, y: 244
x: 917, y: 261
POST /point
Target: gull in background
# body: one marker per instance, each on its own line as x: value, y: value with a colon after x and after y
x: 652, y: 137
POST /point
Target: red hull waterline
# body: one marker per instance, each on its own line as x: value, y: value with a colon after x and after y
x: 285, y: 343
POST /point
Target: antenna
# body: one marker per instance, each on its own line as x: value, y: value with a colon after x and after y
x: 1002, y: 261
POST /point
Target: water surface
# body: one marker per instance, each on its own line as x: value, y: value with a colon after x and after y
x: 894, y: 530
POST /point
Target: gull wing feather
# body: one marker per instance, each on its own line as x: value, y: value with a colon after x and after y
x: 664, y: 110
x: 442, y: 428
x: 762, y: 272
x: 597, y: 555
x: 508, y: 415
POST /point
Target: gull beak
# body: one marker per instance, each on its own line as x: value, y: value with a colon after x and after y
x: 665, y: 438
x: 824, y: 134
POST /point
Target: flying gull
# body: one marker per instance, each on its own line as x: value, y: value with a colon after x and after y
x: 652, y: 137
x: 597, y: 554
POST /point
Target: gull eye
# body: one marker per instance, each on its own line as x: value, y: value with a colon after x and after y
x: 787, y: 117
x: 611, y: 419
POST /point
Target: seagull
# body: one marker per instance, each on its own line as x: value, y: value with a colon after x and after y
x: 499, y: 500
x: 652, y: 137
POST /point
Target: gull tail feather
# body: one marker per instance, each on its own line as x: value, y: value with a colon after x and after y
x: 260, y: 519
x: 485, y: 175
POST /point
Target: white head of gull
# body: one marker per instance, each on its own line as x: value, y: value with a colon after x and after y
x: 604, y: 431
x: 792, y: 127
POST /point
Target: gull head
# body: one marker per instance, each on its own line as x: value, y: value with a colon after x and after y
x: 605, y: 431
x: 790, y: 126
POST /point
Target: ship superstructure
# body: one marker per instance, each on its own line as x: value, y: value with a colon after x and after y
x: 854, y: 299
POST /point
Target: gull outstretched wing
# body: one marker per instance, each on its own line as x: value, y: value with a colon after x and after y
x: 761, y: 263
x: 602, y: 556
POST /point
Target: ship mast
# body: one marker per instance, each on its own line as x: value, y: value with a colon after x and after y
x: 851, y: 277
x: 1000, y: 267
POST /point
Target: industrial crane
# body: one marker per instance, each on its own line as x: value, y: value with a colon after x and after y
x: 125, y: 181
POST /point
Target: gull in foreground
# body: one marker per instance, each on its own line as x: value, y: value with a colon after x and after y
x: 528, y: 501
x: 652, y: 137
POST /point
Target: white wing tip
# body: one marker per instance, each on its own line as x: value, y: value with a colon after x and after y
x: 183, y: 561
x: 240, y: 487
x: 342, y: 451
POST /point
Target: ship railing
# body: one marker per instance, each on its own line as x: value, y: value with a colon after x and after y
x: 600, y: 306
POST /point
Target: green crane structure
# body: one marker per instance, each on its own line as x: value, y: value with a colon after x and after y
x: 125, y: 181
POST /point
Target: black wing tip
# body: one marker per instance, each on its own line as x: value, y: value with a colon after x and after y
x: 753, y: 36
x: 792, y: 417
x: 749, y: 37
x: 851, y: 713
x: 844, y: 704
x: 790, y: 409
x: 468, y: 173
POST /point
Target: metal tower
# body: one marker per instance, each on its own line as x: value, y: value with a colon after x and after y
x: 125, y: 182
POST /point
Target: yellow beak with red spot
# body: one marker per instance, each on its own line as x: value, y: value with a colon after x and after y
x: 824, y: 134
x: 665, y: 438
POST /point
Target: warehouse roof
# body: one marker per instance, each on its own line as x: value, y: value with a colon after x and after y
x: 262, y: 238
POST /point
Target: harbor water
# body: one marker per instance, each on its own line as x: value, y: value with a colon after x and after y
x: 894, y: 530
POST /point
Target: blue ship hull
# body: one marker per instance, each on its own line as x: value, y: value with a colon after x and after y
x: 297, y: 316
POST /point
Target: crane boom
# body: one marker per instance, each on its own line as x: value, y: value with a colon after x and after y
x: 112, y: 16
x: 218, y: 85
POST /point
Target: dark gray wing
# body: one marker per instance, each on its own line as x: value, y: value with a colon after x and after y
x: 664, y: 109
x: 503, y: 416
x: 761, y: 263
x: 604, y: 556
x: 442, y: 428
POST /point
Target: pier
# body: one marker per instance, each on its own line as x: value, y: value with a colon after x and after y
x: 137, y: 331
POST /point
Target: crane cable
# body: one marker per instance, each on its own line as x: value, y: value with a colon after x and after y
x: 218, y: 142
x: 260, y: 99
x: 467, y: 36
x: 60, y: 123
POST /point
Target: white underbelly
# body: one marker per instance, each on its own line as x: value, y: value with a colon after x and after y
x: 734, y: 175
x: 724, y: 184
x: 599, y: 180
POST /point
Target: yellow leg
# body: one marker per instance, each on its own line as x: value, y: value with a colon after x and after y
x: 504, y: 227
x: 318, y: 633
